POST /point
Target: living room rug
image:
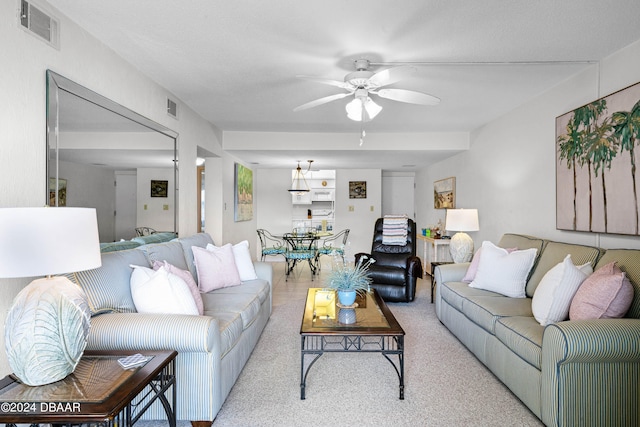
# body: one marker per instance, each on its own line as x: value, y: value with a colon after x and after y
x: 445, y: 385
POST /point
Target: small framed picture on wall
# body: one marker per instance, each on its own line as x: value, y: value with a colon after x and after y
x: 159, y: 188
x: 357, y: 189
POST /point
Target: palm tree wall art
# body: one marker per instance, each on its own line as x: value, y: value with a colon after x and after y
x: 597, y: 180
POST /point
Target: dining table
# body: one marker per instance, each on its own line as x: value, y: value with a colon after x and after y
x: 302, y: 247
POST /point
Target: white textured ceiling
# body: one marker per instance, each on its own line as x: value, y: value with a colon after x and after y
x: 236, y: 62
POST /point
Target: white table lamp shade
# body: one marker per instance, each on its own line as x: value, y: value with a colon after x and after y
x: 48, y: 241
x: 461, y: 220
x: 48, y: 323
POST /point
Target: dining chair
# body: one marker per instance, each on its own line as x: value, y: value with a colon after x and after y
x: 328, y: 247
x: 144, y: 231
x: 300, y: 248
x: 271, y: 245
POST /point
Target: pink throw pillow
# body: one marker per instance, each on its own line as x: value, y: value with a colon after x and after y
x: 187, y: 277
x: 473, y: 267
x: 606, y: 294
x: 216, y: 268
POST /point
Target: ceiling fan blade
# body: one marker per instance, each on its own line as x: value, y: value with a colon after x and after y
x: 321, y: 101
x: 410, y: 96
x: 390, y: 76
x: 329, y: 82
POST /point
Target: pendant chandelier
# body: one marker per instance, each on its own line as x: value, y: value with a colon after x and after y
x: 299, y: 184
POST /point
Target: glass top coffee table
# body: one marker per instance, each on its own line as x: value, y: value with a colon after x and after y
x: 369, y: 327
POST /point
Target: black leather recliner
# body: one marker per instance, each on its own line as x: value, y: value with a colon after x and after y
x: 397, y: 268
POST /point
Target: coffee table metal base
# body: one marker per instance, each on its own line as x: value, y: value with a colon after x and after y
x: 314, y: 346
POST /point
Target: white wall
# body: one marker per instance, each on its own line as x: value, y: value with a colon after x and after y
x: 92, y: 186
x: 155, y: 212
x: 86, y: 61
x: 362, y: 218
x: 509, y: 172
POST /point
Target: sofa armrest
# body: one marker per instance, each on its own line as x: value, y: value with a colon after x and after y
x: 589, y: 341
x: 451, y: 272
x: 137, y: 331
x: 264, y: 270
x: 589, y: 371
x: 414, y: 267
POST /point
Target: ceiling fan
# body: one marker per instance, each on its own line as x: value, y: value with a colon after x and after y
x: 362, y: 83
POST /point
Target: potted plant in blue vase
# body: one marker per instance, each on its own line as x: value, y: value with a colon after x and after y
x: 348, y: 279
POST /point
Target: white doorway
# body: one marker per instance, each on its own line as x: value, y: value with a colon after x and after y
x: 398, y: 195
x: 126, y: 200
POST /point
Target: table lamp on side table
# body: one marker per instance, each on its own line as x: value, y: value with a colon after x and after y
x: 461, y: 220
x: 47, y: 326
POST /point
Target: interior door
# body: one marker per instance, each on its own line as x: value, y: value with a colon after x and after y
x: 398, y: 195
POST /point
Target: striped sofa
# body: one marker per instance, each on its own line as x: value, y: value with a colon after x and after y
x: 571, y: 373
x: 212, y: 349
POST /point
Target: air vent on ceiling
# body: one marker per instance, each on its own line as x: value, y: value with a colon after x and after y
x: 38, y: 23
x: 172, y: 108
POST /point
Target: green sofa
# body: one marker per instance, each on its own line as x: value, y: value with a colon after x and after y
x: 570, y: 373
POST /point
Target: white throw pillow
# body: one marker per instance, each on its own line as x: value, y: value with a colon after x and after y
x: 502, y: 271
x: 216, y: 268
x: 553, y: 296
x: 242, y: 257
x: 160, y: 292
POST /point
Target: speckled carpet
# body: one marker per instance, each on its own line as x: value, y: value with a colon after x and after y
x: 444, y: 384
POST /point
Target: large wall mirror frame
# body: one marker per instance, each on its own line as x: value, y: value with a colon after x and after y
x: 94, y: 146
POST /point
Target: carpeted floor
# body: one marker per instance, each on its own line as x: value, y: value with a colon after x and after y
x: 444, y: 384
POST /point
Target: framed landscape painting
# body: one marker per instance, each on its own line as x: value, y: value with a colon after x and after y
x: 444, y: 193
x: 597, y: 157
x: 243, y: 200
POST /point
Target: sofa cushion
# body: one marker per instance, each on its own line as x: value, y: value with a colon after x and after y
x: 118, y: 246
x: 158, y: 291
x: 230, y: 329
x: 169, y: 251
x: 606, y: 294
x: 200, y: 240
x: 242, y: 258
x: 454, y: 293
x: 502, y: 271
x: 484, y: 311
x: 188, y: 279
x: 473, y: 266
x: 247, y: 305
x: 216, y: 268
x: 554, y: 253
x: 257, y: 287
x: 553, y: 296
x: 628, y: 260
x: 523, y: 336
x: 155, y: 238
x: 107, y: 287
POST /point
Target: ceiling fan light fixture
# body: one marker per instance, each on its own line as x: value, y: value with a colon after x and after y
x: 355, y: 109
x: 299, y: 184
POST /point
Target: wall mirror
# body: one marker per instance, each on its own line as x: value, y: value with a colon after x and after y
x: 105, y: 156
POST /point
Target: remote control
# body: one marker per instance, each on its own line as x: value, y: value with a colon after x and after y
x: 133, y: 361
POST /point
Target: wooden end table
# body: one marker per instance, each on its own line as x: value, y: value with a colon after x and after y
x: 99, y: 391
x: 433, y: 275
